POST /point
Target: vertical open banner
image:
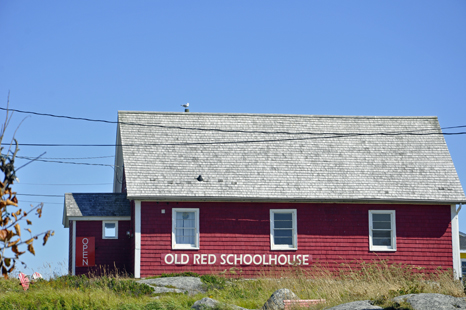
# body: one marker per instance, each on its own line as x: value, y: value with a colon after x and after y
x: 85, y: 251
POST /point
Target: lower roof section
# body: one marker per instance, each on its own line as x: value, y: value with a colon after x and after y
x: 95, y: 205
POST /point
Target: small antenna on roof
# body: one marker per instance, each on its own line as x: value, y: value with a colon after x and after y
x: 186, y: 107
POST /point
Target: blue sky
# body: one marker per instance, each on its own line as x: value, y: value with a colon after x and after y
x: 93, y: 58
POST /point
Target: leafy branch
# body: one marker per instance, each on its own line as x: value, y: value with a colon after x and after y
x: 10, y: 228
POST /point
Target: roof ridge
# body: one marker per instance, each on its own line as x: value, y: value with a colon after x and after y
x: 278, y: 115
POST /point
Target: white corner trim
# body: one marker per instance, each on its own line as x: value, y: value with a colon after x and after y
x: 455, y: 242
x: 137, y: 238
x: 73, y: 250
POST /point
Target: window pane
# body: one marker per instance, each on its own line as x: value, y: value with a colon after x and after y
x: 381, y: 217
x: 283, y: 233
x: 282, y: 216
x: 381, y: 234
x: 382, y: 225
x: 185, y: 236
x: 184, y: 232
x: 283, y: 224
x: 185, y: 215
x: 110, y: 230
x: 185, y: 240
x: 184, y: 219
x: 283, y: 240
x: 382, y: 241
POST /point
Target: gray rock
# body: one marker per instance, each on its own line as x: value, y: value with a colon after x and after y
x: 209, y: 303
x: 432, y: 301
x: 356, y: 305
x: 275, y: 302
x: 162, y: 290
x: 190, y: 285
x: 205, y: 303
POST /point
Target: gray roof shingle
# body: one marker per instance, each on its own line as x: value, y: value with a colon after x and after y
x: 95, y: 204
x: 251, y: 157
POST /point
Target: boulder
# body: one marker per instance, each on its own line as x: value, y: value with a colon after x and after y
x: 432, y: 301
x: 190, y: 285
x: 275, y: 302
x: 356, y: 305
x: 205, y: 303
x: 209, y: 303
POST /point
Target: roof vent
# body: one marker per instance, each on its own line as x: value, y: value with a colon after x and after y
x: 200, y: 178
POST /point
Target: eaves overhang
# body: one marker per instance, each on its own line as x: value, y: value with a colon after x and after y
x: 292, y: 200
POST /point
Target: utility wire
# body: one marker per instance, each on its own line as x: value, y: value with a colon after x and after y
x: 65, y: 162
x: 44, y: 202
x: 73, y: 158
x: 18, y: 194
x: 176, y: 127
x: 326, y: 136
x: 64, y: 184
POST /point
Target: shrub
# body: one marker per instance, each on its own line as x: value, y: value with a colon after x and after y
x: 213, y: 282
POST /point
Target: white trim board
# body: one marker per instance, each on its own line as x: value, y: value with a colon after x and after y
x: 73, y: 250
x: 137, y: 238
x: 455, y: 241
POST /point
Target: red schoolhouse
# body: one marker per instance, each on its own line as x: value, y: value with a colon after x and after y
x: 208, y: 192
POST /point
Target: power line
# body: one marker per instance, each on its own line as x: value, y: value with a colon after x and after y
x: 177, y: 127
x: 64, y: 162
x: 325, y: 136
x: 69, y: 158
x: 64, y: 184
x: 39, y: 195
x: 44, y: 202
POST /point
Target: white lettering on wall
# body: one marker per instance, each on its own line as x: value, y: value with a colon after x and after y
x: 85, y: 252
x: 231, y: 259
x: 170, y: 257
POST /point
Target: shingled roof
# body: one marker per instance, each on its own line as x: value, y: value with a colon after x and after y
x: 95, y: 204
x: 261, y: 157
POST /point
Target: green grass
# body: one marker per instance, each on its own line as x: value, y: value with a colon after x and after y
x: 378, y: 281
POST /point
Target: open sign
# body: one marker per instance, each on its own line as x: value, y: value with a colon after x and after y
x: 85, y: 251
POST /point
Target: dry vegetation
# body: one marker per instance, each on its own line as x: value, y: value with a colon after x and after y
x: 378, y: 281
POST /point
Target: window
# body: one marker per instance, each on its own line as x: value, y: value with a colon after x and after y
x: 382, y: 232
x: 109, y: 229
x: 283, y: 229
x: 185, y: 229
x: 463, y: 268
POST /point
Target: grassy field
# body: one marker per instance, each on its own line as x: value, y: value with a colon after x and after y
x: 378, y: 281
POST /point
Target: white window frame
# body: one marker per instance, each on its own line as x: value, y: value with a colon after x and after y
x: 281, y: 247
x: 387, y: 248
x: 176, y: 246
x: 103, y: 229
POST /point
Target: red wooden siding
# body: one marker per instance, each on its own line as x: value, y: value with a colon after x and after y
x: 331, y: 233
x: 108, y: 252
